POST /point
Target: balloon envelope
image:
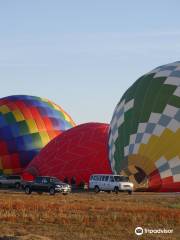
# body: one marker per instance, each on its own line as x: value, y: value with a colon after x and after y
x: 27, y: 124
x: 144, y: 137
x: 76, y: 153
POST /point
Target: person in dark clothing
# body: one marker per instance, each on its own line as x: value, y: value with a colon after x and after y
x: 66, y: 180
x: 73, y: 181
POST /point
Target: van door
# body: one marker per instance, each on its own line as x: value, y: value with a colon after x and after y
x: 111, y: 183
x: 107, y: 183
x: 103, y: 182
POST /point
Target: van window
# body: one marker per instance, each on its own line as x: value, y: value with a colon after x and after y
x: 111, y: 179
x: 121, y: 179
x: 103, y: 178
x: 107, y: 178
x: 95, y: 178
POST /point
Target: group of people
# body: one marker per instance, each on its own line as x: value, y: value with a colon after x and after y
x: 72, y: 181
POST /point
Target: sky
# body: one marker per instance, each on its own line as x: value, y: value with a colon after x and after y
x: 83, y: 55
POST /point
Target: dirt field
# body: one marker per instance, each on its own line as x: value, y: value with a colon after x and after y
x: 88, y: 216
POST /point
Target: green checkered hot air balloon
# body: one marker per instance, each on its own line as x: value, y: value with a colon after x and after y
x: 144, y: 136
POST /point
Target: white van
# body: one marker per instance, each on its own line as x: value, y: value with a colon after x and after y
x: 110, y: 182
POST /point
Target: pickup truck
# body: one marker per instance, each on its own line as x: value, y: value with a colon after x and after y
x: 46, y: 184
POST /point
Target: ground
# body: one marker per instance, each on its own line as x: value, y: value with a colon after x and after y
x: 88, y: 216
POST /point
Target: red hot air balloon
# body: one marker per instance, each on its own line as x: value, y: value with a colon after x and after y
x: 75, y: 154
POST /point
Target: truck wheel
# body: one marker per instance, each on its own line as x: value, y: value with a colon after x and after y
x: 17, y: 185
x: 27, y: 190
x: 96, y: 189
x: 129, y: 192
x: 116, y: 190
x: 51, y: 191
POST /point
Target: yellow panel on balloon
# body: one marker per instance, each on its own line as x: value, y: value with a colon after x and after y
x: 44, y: 138
x: 143, y: 162
x: 149, y: 148
x: 156, y: 146
x: 163, y: 143
x: 18, y: 115
x: 4, y: 109
x: 173, y: 148
x: 32, y: 126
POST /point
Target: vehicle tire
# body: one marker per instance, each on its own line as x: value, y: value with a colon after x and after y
x: 51, y: 191
x: 65, y: 194
x: 116, y: 190
x: 129, y: 192
x: 27, y: 190
x: 96, y: 189
x: 17, y: 185
x: 108, y: 191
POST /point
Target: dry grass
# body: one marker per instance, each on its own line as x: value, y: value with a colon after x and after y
x: 87, y: 216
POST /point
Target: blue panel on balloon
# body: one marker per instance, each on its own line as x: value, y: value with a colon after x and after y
x: 20, y: 144
x: 5, y: 133
x: 12, y: 146
x: 2, y: 121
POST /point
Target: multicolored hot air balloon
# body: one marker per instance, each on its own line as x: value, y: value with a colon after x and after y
x: 144, y: 137
x: 27, y: 124
x: 76, y: 153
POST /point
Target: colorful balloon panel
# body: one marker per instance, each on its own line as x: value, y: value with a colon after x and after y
x: 144, y: 137
x: 27, y: 124
x: 78, y: 152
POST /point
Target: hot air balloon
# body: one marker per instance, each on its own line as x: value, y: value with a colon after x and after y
x: 75, y: 154
x: 144, y: 136
x: 27, y: 124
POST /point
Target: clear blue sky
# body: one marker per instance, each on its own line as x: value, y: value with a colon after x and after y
x: 84, y: 54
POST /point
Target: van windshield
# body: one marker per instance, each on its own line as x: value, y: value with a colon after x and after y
x: 121, y: 179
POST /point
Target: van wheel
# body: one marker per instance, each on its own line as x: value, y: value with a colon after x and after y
x: 116, y: 190
x: 27, y: 190
x: 96, y: 189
